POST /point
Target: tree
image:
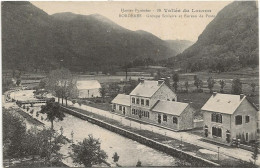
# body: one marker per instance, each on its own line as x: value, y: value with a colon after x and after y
x: 103, y: 92
x: 39, y: 143
x: 211, y: 83
x: 53, y: 111
x: 253, y: 85
x: 43, y: 83
x: 18, y: 143
x: 70, y: 90
x: 222, y: 85
x: 197, y: 82
x: 158, y: 75
x: 18, y: 82
x: 187, y: 86
x: 115, y: 157
x: 59, y: 82
x: 175, y: 79
x: 14, y: 133
x: 88, y: 152
x: 255, y: 152
x: 236, y: 87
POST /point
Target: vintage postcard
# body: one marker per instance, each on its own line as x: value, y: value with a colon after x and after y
x: 130, y: 84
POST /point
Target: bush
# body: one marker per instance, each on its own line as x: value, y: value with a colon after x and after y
x: 23, y: 106
x: 73, y: 101
x: 98, y: 101
x: 80, y: 103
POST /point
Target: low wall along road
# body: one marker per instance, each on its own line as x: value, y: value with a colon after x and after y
x: 195, y: 160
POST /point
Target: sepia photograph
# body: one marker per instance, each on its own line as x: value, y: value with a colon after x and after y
x: 130, y: 84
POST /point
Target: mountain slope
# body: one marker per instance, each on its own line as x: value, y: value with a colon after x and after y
x: 231, y: 39
x: 32, y: 39
x: 94, y: 37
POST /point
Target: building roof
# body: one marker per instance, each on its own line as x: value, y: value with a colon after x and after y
x: 170, y: 107
x: 88, y: 84
x: 146, y: 88
x: 223, y: 103
x: 122, y: 99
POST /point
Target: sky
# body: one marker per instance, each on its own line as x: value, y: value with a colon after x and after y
x: 188, y: 18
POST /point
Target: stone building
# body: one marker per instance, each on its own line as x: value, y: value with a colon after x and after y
x: 228, y: 117
x: 154, y: 102
x: 88, y: 89
x: 121, y: 104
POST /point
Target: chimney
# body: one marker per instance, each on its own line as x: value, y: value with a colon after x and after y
x: 160, y: 82
x: 214, y: 94
x: 241, y: 96
x: 142, y: 80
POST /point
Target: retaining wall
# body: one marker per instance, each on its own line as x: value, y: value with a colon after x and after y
x: 194, y: 160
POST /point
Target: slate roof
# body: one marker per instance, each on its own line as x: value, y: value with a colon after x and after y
x: 122, y: 99
x: 223, y: 103
x: 146, y: 89
x: 170, y: 107
x: 88, y: 84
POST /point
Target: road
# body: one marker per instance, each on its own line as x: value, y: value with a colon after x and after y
x: 129, y: 151
x: 184, y: 136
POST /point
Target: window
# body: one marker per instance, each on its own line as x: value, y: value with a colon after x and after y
x: 145, y: 113
x: 238, y: 120
x: 216, y: 117
x: 147, y: 102
x: 216, y: 132
x: 114, y: 106
x: 123, y: 109
x: 175, y: 120
x: 120, y: 108
x: 142, y: 102
x: 213, y: 117
x: 165, y: 117
x: 246, y: 136
x: 137, y: 101
x: 247, y: 119
x: 132, y: 111
x: 133, y: 100
x: 219, y: 118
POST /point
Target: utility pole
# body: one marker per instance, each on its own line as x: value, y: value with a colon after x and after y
x: 218, y: 153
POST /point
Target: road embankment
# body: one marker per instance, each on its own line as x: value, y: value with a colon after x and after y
x: 194, y: 160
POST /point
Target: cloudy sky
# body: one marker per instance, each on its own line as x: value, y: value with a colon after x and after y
x: 183, y: 27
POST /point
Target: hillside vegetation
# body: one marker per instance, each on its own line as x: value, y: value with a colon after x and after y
x: 229, y: 42
x: 34, y: 40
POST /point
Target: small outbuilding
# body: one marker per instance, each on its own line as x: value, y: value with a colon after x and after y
x: 171, y: 114
x: 88, y: 89
x: 121, y: 104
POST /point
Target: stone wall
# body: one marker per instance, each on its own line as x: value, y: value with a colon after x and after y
x: 195, y: 160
